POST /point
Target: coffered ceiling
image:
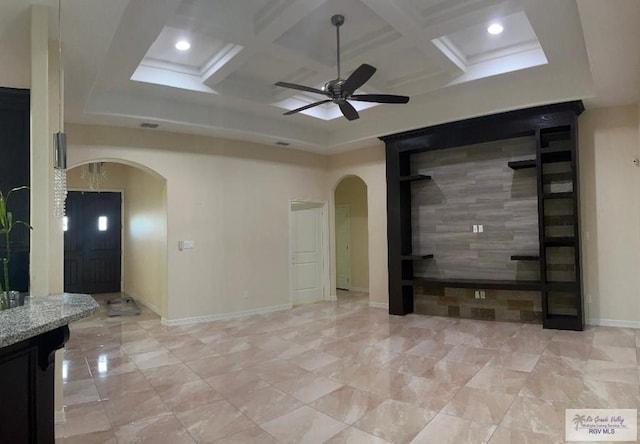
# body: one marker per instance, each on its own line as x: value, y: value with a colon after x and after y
x: 123, y: 68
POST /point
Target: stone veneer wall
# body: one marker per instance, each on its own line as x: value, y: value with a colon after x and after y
x: 498, y: 305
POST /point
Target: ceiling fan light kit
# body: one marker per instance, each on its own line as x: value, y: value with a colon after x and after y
x: 339, y: 90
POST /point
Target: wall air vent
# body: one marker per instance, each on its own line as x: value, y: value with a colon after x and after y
x: 148, y: 125
x: 280, y: 143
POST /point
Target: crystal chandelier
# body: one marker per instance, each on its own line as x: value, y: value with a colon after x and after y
x: 60, y: 138
x: 94, y: 173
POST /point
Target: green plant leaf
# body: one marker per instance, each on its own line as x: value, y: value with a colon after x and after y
x: 19, y: 222
x: 12, y: 190
x: 3, y: 211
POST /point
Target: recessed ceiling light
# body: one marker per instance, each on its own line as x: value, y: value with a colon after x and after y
x: 495, y: 28
x: 183, y: 45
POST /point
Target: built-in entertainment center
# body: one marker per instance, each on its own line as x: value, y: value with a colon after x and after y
x: 483, y: 218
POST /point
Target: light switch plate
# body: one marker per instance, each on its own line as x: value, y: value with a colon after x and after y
x: 185, y: 245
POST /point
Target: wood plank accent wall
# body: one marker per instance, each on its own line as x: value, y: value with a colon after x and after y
x: 473, y: 185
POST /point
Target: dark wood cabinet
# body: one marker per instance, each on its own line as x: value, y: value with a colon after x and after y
x: 554, y: 162
x: 27, y: 389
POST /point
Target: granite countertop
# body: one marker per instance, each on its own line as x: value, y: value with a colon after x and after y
x: 43, y: 313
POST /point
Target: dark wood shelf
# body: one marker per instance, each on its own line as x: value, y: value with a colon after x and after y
x: 489, y: 284
x: 564, y: 322
x: 557, y: 148
x: 525, y: 257
x: 522, y: 164
x: 560, y: 241
x: 416, y: 257
x: 563, y: 195
x: 561, y: 286
x: 555, y: 134
x: 414, y: 178
x: 555, y: 154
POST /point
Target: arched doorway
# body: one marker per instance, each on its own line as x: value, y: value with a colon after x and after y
x: 351, y: 237
x: 143, y: 244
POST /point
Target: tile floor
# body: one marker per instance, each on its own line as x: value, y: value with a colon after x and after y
x: 337, y: 372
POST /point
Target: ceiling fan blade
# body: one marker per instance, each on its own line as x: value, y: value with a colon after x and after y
x: 302, y: 108
x: 348, y: 110
x: 301, y: 88
x: 380, y: 98
x: 357, y: 79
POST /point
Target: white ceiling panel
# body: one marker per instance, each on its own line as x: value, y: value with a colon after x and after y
x: 475, y: 43
x: 315, y: 36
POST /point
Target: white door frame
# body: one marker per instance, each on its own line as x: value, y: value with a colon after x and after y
x: 324, y: 236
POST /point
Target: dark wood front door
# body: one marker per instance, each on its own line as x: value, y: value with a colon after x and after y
x: 92, y: 242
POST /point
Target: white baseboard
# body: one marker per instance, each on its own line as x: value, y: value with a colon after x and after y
x: 332, y: 297
x: 613, y: 323
x: 359, y: 289
x: 384, y: 305
x: 220, y: 316
x: 59, y: 416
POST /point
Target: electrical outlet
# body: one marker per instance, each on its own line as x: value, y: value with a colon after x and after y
x: 480, y: 228
x: 476, y: 293
x: 475, y: 228
x: 482, y: 294
x: 245, y: 294
x: 588, y: 298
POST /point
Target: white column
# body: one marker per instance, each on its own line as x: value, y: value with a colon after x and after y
x: 45, y: 270
x: 41, y: 152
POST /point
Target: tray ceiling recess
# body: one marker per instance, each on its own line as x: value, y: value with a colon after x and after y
x: 210, y: 66
x: 339, y: 90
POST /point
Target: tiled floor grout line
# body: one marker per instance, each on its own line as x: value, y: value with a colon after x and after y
x: 338, y: 329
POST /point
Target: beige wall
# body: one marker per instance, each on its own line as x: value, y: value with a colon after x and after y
x: 369, y: 165
x: 610, y: 207
x: 352, y: 191
x: 231, y: 198
x: 145, y: 239
x: 144, y: 230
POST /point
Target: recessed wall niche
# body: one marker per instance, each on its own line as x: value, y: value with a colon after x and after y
x: 472, y: 185
x: 483, y: 218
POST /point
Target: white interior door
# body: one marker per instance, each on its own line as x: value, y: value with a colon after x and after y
x: 307, y: 257
x: 343, y: 255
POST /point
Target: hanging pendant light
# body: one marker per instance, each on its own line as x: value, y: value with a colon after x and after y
x: 94, y: 173
x: 60, y: 138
